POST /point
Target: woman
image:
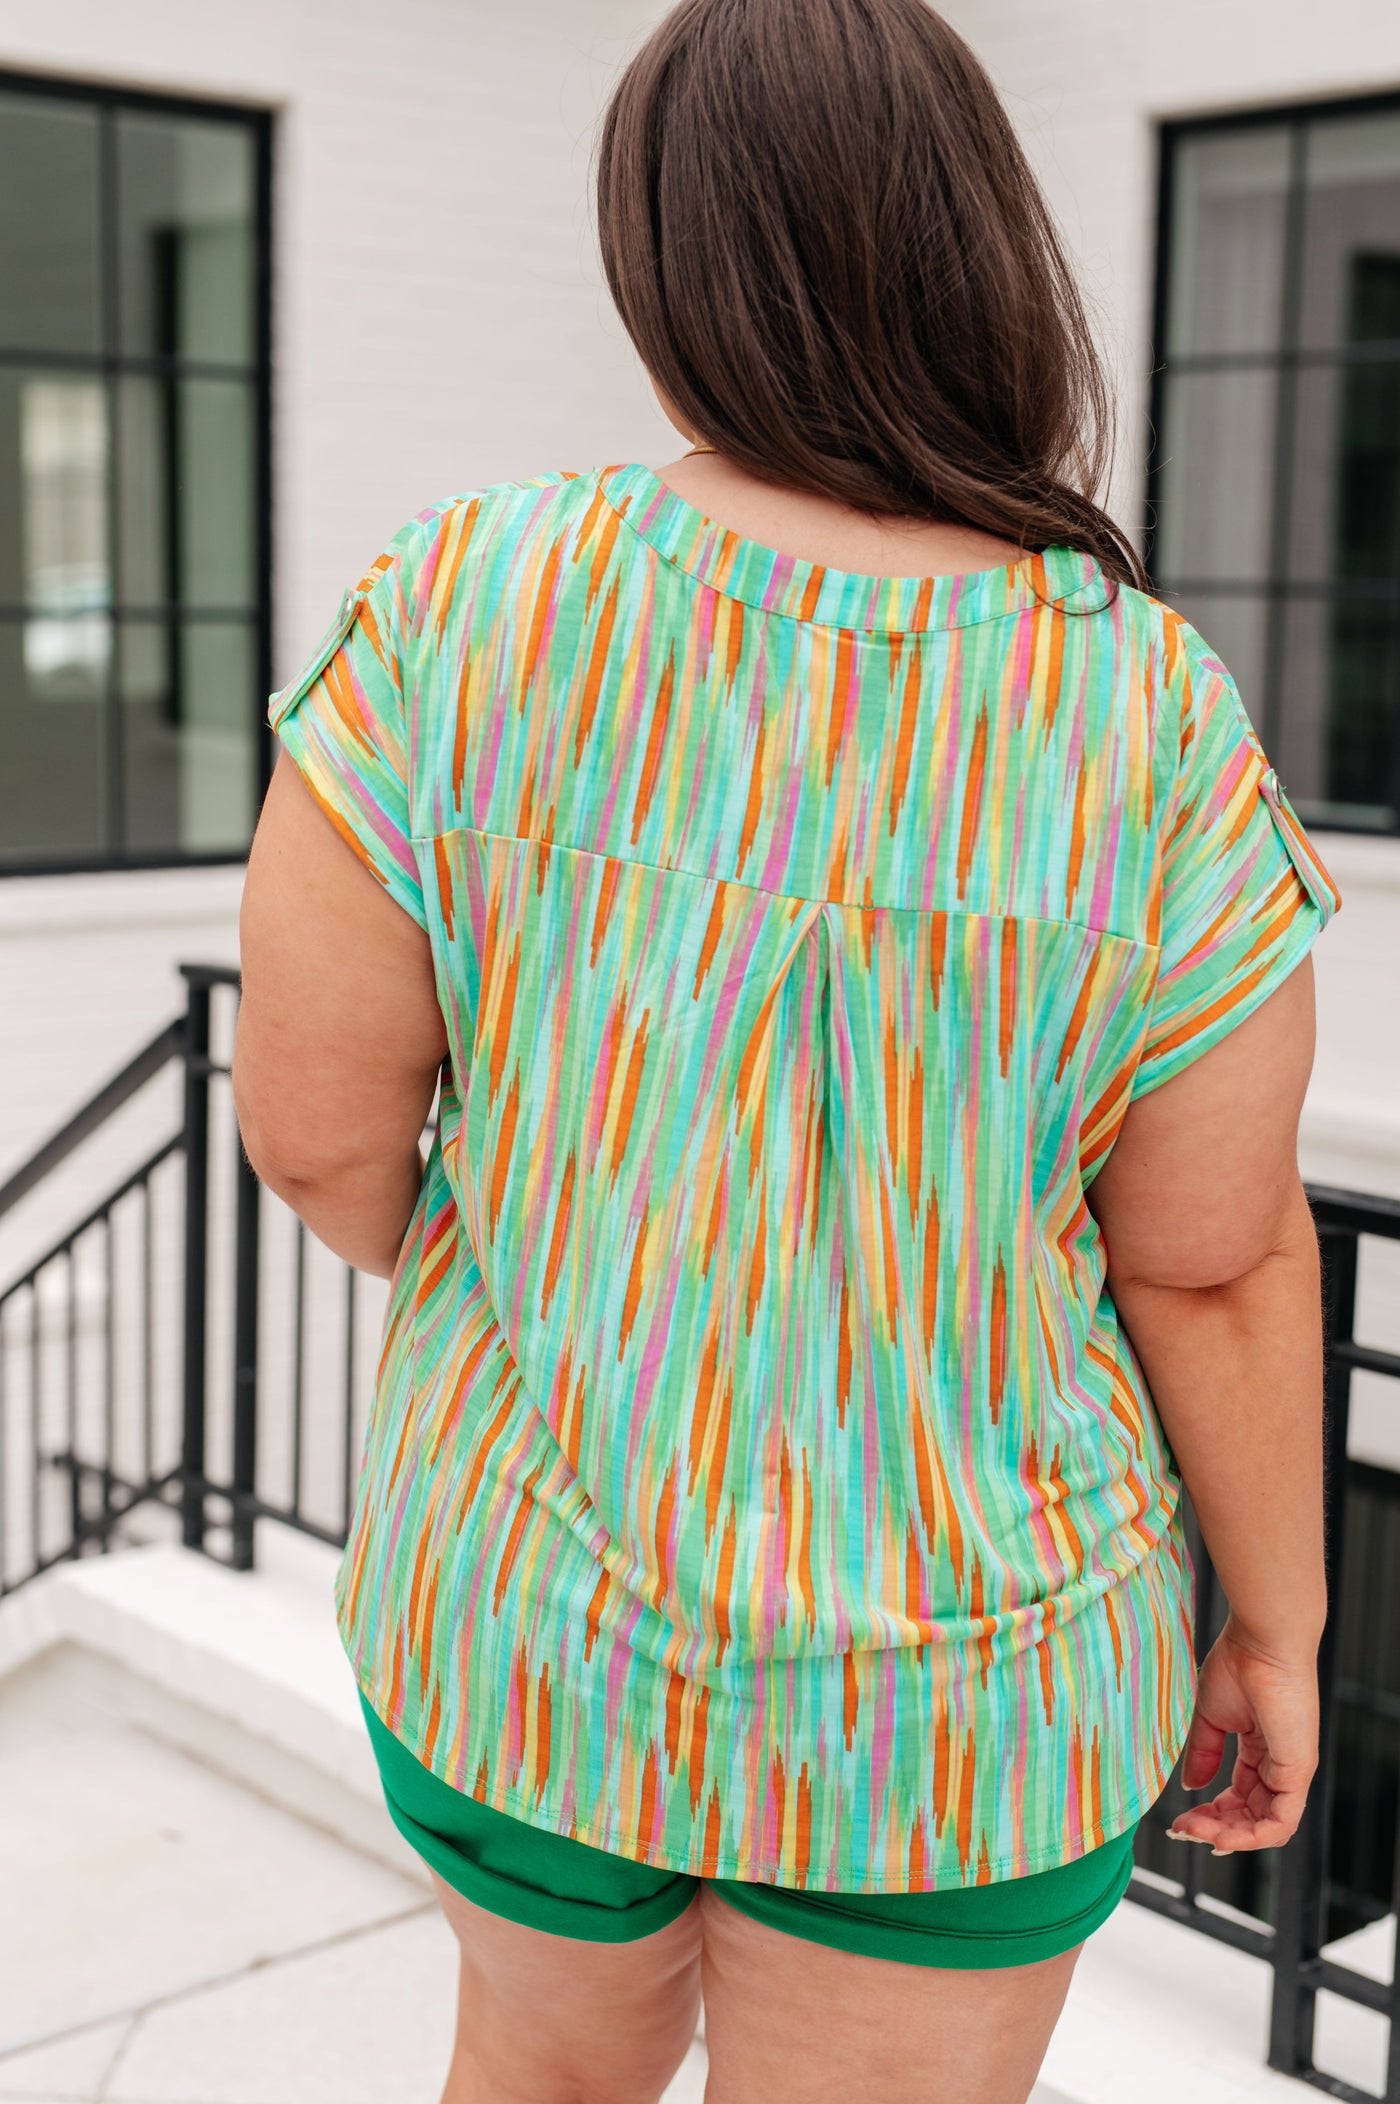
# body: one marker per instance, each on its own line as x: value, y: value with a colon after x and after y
x: 861, y: 947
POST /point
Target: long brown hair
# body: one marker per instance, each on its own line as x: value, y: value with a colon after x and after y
x: 831, y: 255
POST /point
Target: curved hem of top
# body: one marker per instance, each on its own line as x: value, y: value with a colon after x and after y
x: 516, y: 1805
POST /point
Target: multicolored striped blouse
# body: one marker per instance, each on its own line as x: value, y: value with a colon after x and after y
x: 758, y: 1481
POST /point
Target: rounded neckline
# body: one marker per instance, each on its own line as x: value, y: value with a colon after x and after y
x: 801, y: 589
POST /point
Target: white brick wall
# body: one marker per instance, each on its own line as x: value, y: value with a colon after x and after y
x: 439, y: 316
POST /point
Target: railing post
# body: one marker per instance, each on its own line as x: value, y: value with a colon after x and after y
x: 1300, y: 1926
x: 245, y: 1362
x: 196, y: 1133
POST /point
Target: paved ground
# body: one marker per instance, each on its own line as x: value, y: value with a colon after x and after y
x: 169, y: 1936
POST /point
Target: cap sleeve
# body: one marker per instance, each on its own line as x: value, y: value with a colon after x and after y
x: 1243, y: 893
x: 344, y: 720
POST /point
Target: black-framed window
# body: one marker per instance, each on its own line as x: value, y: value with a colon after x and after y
x: 1274, y: 484
x: 134, y: 476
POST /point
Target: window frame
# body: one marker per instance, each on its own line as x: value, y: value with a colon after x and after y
x: 1288, y: 360
x: 110, y: 363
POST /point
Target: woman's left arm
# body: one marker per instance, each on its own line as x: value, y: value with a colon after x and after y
x: 340, y: 1037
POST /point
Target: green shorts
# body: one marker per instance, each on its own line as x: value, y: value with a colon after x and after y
x: 547, y: 1881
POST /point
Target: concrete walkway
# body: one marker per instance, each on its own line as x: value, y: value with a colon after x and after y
x: 202, y: 1900
x: 169, y: 1936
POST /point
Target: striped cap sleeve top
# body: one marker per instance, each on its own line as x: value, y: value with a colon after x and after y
x: 758, y: 1481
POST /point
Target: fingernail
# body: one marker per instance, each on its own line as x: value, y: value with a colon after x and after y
x: 1222, y: 1851
x: 1173, y: 1835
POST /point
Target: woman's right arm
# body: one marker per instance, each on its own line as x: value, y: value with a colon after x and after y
x: 1213, y: 1268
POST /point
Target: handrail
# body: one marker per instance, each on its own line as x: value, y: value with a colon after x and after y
x: 211, y: 974
x: 91, y: 1219
x: 166, y: 1045
x: 1353, y: 1212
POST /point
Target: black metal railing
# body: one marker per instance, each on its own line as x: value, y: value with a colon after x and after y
x: 58, y: 1409
x: 1288, y: 1905
x: 187, y: 1358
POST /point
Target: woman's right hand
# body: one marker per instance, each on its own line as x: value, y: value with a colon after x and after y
x: 1268, y: 1699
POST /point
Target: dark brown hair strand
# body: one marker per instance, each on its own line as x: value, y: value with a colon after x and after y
x: 832, y: 256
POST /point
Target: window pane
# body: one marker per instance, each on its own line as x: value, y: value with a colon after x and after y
x: 215, y: 513
x: 1234, y: 628
x: 186, y: 498
x: 1337, y: 743
x: 1229, y: 194
x: 1216, y: 490
x: 1346, y: 491
x: 185, y: 214
x: 52, y: 681
x: 151, y: 735
x: 53, y: 493
x: 1351, y: 255
x: 63, y: 493
x: 48, y: 225
x: 144, y: 410
x: 189, y: 735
